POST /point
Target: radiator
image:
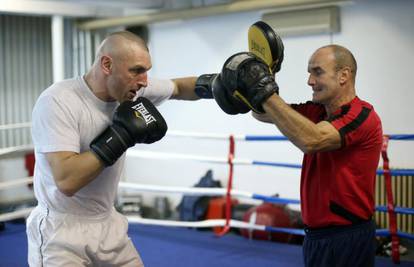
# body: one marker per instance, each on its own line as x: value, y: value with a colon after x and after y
x: 402, y: 188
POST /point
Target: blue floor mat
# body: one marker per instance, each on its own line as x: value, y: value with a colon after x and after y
x: 167, y: 246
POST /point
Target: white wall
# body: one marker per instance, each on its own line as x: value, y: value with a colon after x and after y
x: 380, y: 34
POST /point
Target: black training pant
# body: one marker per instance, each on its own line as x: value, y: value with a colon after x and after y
x: 340, y: 246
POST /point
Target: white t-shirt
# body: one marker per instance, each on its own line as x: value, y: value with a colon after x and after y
x: 67, y: 117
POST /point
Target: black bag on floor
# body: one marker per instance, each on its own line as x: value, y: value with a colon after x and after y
x: 194, y: 208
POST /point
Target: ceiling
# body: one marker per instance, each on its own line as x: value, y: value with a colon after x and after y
x: 112, y: 13
x: 148, y: 4
x: 101, y: 8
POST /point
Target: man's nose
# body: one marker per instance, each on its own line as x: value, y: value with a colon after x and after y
x: 142, y: 80
x: 311, y: 81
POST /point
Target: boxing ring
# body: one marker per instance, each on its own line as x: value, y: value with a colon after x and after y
x: 178, y: 243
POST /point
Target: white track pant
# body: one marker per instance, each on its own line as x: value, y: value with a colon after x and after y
x: 62, y: 240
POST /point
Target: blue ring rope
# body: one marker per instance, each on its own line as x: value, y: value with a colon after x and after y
x: 386, y: 232
x: 276, y: 164
x: 403, y: 137
x: 285, y: 230
x: 400, y: 172
x: 275, y: 199
x: 378, y: 232
x: 401, y: 210
x: 265, y: 138
x: 278, y: 200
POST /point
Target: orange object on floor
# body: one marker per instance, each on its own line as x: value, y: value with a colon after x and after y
x: 217, y: 210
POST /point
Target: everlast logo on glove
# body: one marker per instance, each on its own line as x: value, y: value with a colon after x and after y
x: 144, y: 113
x: 266, y: 44
x: 132, y: 123
x: 256, y: 47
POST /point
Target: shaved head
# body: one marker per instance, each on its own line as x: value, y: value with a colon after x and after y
x: 119, y: 45
x: 343, y: 58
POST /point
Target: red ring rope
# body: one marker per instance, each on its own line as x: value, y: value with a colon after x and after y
x: 229, y: 186
x: 395, y: 243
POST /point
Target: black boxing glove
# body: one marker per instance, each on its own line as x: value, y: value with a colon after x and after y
x: 225, y: 100
x: 210, y: 86
x: 133, y: 122
x: 248, y: 79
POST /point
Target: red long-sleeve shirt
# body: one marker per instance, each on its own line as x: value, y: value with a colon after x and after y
x: 338, y: 186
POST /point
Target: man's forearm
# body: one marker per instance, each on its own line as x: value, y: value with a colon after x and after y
x: 73, y: 171
x: 298, y: 129
x: 185, y: 88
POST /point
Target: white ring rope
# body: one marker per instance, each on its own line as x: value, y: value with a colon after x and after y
x: 172, y: 133
x: 15, y: 126
x: 216, y: 136
x: 164, y: 155
x: 194, y: 191
x: 21, y: 213
x: 197, y: 224
x: 200, y: 224
x: 205, y: 135
x: 16, y: 183
x: 23, y: 148
x: 142, y: 187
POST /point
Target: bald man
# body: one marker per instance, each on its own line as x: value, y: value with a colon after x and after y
x: 341, y: 137
x: 78, y: 166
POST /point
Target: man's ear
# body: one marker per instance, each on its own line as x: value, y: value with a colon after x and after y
x: 345, y: 75
x: 106, y: 64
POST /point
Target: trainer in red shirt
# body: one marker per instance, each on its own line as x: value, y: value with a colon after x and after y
x: 341, y: 138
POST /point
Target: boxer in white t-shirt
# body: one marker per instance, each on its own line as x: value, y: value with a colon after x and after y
x: 81, y: 129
